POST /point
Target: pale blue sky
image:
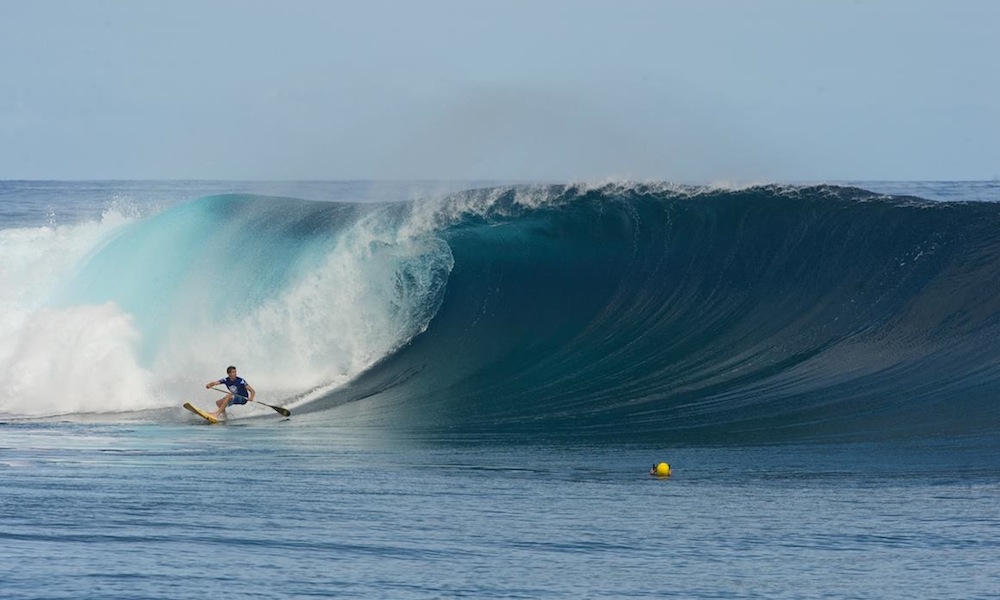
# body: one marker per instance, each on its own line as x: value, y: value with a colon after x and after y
x: 690, y: 91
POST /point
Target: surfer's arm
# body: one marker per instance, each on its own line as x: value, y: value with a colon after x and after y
x: 251, y: 390
x: 209, y: 385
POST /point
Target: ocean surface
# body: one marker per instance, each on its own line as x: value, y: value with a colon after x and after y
x: 480, y: 376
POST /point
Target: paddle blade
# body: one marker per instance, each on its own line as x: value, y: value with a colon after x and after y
x: 282, y: 411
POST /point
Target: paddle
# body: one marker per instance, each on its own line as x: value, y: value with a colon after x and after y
x: 280, y: 410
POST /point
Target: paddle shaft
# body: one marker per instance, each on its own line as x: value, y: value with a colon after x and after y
x: 281, y: 410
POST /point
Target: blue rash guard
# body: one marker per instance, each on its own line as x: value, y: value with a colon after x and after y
x: 238, y: 388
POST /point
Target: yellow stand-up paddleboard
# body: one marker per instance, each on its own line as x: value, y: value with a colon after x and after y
x: 200, y: 413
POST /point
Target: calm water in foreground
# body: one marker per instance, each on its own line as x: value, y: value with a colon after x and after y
x: 298, y: 508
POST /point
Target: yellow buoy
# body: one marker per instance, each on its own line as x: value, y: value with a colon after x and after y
x: 660, y: 470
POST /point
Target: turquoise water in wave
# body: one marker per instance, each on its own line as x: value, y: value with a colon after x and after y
x: 287, y: 509
x: 472, y: 494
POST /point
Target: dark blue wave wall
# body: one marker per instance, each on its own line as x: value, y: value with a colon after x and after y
x: 697, y: 316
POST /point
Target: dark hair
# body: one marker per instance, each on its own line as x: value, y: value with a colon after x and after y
x: 230, y: 368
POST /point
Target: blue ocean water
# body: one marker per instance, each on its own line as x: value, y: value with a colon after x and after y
x: 480, y: 376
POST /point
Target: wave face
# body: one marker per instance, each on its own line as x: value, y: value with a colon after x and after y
x: 620, y: 311
x: 697, y: 315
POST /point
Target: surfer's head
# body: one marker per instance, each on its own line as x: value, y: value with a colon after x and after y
x: 231, y: 371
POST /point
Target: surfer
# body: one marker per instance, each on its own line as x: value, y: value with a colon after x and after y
x: 238, y: 388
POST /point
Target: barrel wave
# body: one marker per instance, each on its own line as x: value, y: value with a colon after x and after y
x: 619, y: 311
x: 704, y: 316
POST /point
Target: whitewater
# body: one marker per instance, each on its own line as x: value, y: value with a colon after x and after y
x: 137, y: 305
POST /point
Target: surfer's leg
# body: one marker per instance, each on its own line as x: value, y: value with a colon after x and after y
x: 222, y: 404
